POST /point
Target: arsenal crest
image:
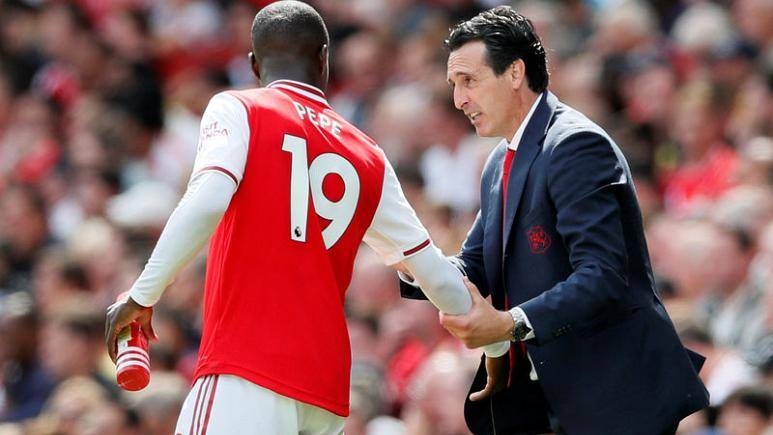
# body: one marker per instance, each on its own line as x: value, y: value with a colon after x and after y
x: 539, y: 239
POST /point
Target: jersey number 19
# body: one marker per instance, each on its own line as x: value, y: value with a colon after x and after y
x: 305, y: 178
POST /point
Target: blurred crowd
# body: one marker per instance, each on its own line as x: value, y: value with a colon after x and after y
x: 100, y: 102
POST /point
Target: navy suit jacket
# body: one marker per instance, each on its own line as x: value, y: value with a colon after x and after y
x: 571, y: 253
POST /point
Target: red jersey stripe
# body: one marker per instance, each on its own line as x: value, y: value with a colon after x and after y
x: 196, y: 406
x: 417, y: 248
x: 221, y: 169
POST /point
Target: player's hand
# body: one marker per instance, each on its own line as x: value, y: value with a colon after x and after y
x: 496, y: 377
x: 480, y: 326
x: 120, y: 315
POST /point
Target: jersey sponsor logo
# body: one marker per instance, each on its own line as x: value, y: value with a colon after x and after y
x: 213, y: 129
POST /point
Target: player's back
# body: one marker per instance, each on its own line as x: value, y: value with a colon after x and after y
x: 282, y: 256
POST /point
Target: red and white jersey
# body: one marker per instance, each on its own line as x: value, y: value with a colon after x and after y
x: 311, y: 188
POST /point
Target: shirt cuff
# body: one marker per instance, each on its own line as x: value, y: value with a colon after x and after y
x: 495, y: 350
x: 142, y: 299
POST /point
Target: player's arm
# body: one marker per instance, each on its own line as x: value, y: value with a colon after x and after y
x: 398, y: 236
x: 219, y: 166
x: 187, y: 230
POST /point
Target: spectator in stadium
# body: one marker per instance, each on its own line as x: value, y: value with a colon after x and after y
x: 71, y: 342
x: 747, y: 412
x: 293, y: 190
x: 72, y: 407
x: 453, y: 150
x: 436, y: 395
x: 158, y: 405
x: 709, y: 166
x: 23, y: 380
x: 23, y: 233
x: 564, y: 258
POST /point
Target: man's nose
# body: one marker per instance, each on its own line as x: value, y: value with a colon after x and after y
x: 460, y: 98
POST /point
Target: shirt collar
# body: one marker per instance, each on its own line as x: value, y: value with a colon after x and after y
x: 301, y: 88
x: 513, y: 144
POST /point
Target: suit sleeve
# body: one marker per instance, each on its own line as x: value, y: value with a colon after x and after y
x: 585, y: 176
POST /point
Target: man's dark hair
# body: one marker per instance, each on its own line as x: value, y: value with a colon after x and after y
x: 508, y: 36
x: 288, y: 31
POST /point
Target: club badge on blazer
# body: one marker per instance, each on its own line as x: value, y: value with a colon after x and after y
x: 539, y: 239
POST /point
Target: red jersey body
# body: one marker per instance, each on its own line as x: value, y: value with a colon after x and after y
x: 282, y: 257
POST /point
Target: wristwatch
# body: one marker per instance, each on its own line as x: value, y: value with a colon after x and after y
x: 520, y: 328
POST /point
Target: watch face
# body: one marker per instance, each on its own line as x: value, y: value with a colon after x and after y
x: 520, y: 330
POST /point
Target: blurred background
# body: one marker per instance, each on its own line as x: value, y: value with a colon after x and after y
x: 100, y: 103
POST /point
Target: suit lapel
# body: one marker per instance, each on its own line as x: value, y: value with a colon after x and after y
x: 492, y: 234
x: 528, y: 149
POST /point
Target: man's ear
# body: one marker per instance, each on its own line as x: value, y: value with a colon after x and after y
x: 323, y: 53
x: 323, y: 60
x: 254, y: 65
x: 517, y: 73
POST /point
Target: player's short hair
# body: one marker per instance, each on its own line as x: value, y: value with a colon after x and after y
x: 508, y: 36
x: 288, y: 28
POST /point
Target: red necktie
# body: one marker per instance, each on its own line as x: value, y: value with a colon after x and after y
x: 508, y: 164
x: 517, y: 350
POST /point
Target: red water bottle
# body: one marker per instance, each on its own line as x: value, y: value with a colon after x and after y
x: 132, y: 358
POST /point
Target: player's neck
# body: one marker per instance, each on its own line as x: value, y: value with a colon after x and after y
x: 298, y: 74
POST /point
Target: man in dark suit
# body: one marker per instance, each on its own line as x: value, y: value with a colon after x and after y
x: 559, y: 245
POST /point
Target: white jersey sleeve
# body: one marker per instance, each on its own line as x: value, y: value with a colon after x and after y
x: 223, y: 137
x: 397, y: 235
x: 187, y: 230
x: 222, y: 148
x: 396, y: 231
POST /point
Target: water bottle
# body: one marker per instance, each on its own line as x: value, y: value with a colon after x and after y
x: 132, y: 358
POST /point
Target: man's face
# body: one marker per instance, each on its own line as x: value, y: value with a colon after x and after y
x: 488, y: 100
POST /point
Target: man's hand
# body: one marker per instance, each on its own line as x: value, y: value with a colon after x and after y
x: 480, y: 326
x: 496, y: 377
x: 120, y: 315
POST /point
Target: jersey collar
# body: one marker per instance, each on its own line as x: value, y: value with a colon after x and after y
x: 300, y: 88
